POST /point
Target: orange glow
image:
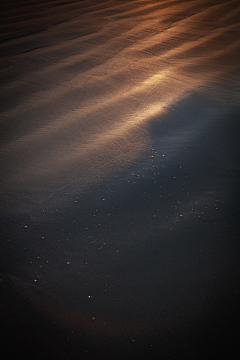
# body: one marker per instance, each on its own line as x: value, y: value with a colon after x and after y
x: 167, y: 52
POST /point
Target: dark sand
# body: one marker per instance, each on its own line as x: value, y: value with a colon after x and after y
x: 120, y: 179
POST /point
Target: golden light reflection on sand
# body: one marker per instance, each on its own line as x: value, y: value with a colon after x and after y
x: 137, y: 71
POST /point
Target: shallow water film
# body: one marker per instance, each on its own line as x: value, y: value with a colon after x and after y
x: 119, y: 179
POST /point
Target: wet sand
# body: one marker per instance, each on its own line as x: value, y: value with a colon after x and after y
x: 120, y: 179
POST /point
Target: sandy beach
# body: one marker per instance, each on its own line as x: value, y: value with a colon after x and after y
x: 119, y: 185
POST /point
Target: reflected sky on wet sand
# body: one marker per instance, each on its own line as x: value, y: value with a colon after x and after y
x: 120, y: 177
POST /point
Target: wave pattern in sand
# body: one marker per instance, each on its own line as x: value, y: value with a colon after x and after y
x: 80, y: 81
